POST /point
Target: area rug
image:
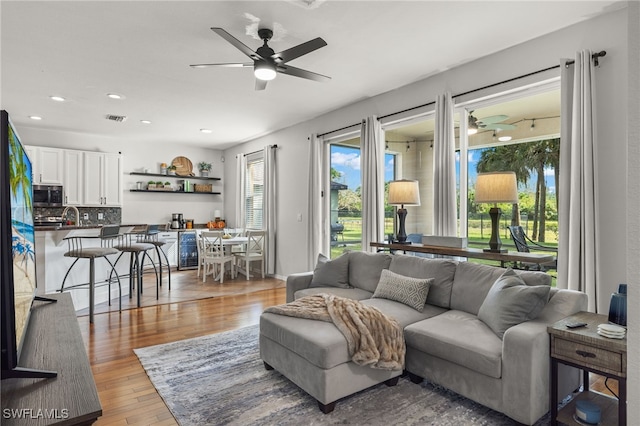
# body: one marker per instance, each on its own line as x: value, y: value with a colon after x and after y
x: 220, y: 379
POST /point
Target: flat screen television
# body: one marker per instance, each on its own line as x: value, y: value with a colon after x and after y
x: 17, y: 251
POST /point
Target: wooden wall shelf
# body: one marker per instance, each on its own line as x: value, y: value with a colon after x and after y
x: 174, y: 176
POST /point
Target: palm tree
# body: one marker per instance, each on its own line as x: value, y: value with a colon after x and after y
x: 19, y: 173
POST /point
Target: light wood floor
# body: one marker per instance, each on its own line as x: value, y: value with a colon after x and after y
x: 126, y: 393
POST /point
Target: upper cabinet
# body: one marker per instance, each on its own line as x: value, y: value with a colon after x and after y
x: 102, y: 179
x: 47, y: 164
x: 73, y: 177
x: 88, y: 178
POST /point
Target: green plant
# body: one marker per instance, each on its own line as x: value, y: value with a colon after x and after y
x: 151, y: 182
x: 167, y: 184
x: 204, y: 166
x: 171, y: 167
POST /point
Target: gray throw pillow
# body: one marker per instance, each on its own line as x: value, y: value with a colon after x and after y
x: 511, y: 302
x: 331, y: 273
x: 410, y: 291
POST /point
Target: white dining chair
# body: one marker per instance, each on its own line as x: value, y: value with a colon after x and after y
x: 214, y: 254
x: 254, y: 252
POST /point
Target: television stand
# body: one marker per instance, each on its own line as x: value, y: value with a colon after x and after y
x: 53, y: 341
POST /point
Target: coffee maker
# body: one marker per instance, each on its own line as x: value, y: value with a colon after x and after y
x: 176, y: 221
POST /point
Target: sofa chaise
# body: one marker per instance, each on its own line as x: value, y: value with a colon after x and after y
x: 469, y: 336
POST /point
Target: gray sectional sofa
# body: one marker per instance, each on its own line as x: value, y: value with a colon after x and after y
x: 461, y: 339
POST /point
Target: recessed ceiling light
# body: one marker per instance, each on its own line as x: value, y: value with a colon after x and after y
x: 35, y: 117
x: 57, y: 98
x: 504, y: 138
x: 206, y: 131
x: 115, y: 96
x: 145, y: 121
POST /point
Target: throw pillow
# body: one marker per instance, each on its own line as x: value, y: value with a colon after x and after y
x: 511, y: 302
x: 410, y: 291
x: 331, y: 273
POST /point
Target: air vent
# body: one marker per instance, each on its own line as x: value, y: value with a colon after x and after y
x: 118, y: 118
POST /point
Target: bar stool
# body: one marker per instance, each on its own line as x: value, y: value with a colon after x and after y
x: 150, y: 236
x: 128, y: 244
x: 108, y: 235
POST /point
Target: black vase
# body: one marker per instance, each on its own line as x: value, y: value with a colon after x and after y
x: 618, y: 306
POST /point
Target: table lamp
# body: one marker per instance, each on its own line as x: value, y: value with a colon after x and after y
x: 496, y: 187
x: 403, y: 192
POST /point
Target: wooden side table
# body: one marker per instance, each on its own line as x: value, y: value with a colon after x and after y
x: 585, y: 349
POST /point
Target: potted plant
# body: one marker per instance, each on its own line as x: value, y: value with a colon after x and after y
x: 171, y: 170
x: 167, y: 185
x: 204, y: 168
x: 151, y: 185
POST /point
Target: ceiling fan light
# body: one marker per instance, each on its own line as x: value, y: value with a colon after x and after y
x: 472, y: 130
x: 264, y: 71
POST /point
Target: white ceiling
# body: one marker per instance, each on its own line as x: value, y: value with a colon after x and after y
x: 82, y: 50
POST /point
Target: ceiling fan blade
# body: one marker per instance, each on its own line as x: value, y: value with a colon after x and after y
x: 299, y: 50
x: 235, y: 65
x: 237, y: 43
x: 499, y: 126
x: 261, y: 84
x: 298, y: 72
x: 493, y: 119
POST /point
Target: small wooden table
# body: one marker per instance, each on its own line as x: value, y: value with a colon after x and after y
x: 585, y: 349
x: 468, y: 253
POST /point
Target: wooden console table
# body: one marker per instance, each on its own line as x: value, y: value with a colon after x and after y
x: 53, y: 342
x: 468, y: 253
x: 585, y: 349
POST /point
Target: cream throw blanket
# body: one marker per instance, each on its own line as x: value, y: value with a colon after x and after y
x: 373, y: 338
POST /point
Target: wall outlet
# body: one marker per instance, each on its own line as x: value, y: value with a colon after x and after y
x: 100, y: 216
x: 85, y: 216
x: 299, y: 217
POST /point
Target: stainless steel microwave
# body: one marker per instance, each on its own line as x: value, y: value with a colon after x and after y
x: 47, y: 195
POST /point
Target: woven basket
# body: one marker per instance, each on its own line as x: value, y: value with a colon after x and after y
x: 202, y: 187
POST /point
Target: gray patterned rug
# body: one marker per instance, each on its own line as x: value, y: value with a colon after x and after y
x: 220, y: 379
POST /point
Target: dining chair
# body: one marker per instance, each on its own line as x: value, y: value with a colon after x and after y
x: 524, y: 244
x: 254, y: 252
x: 214, y: 254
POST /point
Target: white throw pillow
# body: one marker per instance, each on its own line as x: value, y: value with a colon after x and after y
x: 410, y: 291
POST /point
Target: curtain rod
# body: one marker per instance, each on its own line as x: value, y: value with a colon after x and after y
x: 595, y: 57
x: 255, y: 152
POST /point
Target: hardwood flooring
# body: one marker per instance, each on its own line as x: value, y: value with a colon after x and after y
x: 125, y: 391
x: 190, y: 309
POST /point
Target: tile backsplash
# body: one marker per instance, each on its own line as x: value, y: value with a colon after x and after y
x: 109, y: 215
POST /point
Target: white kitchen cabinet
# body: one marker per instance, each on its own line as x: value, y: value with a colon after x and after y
x: 102, y: 179
x: 73, y: 177
x: 47, y: 164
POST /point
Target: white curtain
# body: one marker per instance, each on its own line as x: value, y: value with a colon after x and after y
x: 241, y: 175
x: 318, y: 238
x: 372, y: 172
x: 578, y: 242
x: 444, y: 169
x: 270, y: 207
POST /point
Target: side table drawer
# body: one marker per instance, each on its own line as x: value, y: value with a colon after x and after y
x: 585, y: 354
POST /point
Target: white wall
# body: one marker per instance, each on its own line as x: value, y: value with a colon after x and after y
x: 139, y: 208
x: 633, y: 213
x: 607, y: 32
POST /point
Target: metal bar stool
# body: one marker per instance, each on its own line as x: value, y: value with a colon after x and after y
x: 128, y: 244
x: 108, y: 234
x: 150, y: 236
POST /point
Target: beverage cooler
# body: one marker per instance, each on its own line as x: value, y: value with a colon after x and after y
x: 187, y: 250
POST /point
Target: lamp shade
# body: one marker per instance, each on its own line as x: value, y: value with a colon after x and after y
x: 404, y: 192
x: 496, y: 187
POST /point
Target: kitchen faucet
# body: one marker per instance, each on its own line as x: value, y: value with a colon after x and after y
x: 75, y: 210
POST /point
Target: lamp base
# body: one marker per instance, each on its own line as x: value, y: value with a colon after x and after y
x: 490, y: 250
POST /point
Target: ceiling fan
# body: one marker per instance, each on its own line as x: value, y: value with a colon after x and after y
x: 266, y: 63
x: 493, y: 122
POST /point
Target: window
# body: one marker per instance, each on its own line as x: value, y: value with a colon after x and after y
x: 254, y: 192
x: 519, y: 135
x: 346, y: 197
